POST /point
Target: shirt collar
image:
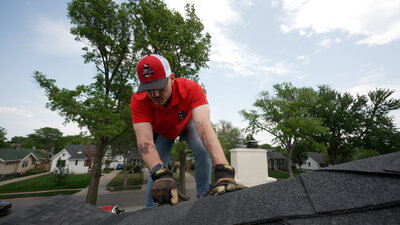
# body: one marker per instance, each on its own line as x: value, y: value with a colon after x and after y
x: 174, y: 99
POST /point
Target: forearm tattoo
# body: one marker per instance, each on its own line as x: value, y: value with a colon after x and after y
x: 144, y: 148
x: 203, y: 136
x: 205, y: 141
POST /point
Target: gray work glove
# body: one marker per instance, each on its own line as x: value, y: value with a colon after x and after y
x: 224, y: 180
x: 164, y: 190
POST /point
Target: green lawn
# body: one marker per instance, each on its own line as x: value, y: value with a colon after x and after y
x: 27, y: 173
x: 46, y: 182
x: 279, y: 174
x: 134, y: 182
x: 37, y: 194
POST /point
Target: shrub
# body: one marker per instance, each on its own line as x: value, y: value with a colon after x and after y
x: 61, y: 173
x: 137, y: 169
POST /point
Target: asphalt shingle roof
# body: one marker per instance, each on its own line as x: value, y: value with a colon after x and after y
x: 360, y: 192
x: 60, y: 209
x: 79, y: 151
x: 272, y: 154
x: 317, y: 156
x: 7, y: 154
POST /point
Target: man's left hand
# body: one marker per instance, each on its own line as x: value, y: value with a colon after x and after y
x: 224, y: 181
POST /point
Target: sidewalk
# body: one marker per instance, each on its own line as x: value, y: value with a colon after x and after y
x: 22, y: 178
x: 104, y: 180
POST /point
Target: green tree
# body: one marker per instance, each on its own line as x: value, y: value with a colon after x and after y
x: 266, y: 146
x: 380, y: 133
x: 180, y: 40
x: 300, y: 155
x: 3, y: 138
x: 287, y: 116
x: 80, y: 139
x: 24, y: 142
x: 48, y: 138
x: 228, y: 136
x: 342, y: 116
x: 363, y: 154
x: 101, y: 107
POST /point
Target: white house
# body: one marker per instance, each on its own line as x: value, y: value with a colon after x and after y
x: 76, y: 158
x: 111, y: 161
x: 314, y: 161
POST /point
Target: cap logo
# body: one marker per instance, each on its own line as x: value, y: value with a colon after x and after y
x: 147, y: 72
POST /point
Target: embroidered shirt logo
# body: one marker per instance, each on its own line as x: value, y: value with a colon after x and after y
x: 181, y: 115
x: 147, y: 72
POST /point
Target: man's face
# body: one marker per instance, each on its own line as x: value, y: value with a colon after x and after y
x: 161, y: 97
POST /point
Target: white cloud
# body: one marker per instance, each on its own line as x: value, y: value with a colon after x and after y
x: 326, y: 43
x: 54, y: 37
x: 303, y: 58
x: 372, y: 22
x: 16, y: 112
x: 218, y: 17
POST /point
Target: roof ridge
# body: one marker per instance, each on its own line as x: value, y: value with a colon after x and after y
x: 324, y: 214
x: 383, y: 172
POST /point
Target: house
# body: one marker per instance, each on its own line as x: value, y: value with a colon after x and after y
x: 110, y: 161
x: 276, y: 160
x: 18, y: 160
x: 76, y: 158
x: 314, y: 161
x: 360, y: 192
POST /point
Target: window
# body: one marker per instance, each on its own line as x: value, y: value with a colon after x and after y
x: 309, y: 164
x: 76, y: 162
x: 33, y: 162
x: 25, y: 164
x: 63, y: 154
x: 60, y: 163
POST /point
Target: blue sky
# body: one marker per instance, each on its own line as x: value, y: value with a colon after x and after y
x: 353, y: 46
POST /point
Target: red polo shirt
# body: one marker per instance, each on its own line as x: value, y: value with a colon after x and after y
x: 169, y: 121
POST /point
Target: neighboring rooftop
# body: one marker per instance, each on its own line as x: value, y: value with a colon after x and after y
x: 317, y: 156
x: 272, y: 154
x: 7, y: 155
x: 79, y: 151
x: 361, y: 192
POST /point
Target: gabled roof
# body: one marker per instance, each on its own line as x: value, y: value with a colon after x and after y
x: 317, y: 156
x: 360, y: 192
x: 79, y: 151
x: 9, y: 155
x: 272, y: 154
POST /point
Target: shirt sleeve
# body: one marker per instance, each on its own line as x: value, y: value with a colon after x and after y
x: 199, y: 96
x: 140, y: 111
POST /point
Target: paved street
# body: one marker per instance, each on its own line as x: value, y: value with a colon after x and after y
x: 128, y: 200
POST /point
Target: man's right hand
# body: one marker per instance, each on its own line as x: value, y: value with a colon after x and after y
x: 164, y: 190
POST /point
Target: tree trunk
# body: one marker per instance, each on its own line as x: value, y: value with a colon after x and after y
x: 125, y: 183
x: 332, y: 153
x: 91, y: 196
x: 289, y: 150
x: 182, y: 170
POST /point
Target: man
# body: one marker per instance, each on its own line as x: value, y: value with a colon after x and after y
x: 164, y: 108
